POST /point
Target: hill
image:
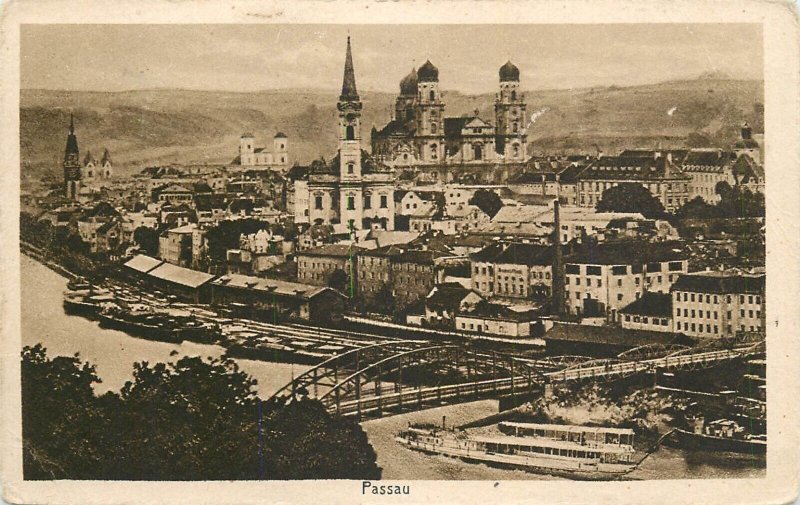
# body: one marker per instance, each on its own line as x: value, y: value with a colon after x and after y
x: 143, y: 128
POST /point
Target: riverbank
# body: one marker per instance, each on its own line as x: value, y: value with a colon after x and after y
x: 114, y: 352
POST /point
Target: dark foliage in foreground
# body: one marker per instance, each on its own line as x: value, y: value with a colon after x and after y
x: 188, y: 420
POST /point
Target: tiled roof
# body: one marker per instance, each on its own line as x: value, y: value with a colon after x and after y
x: 610, y: 335
x: 526, y: 254
x: 272, y: 286
x: 631, y: 168
x: 142, y: 263
x: 627, y: 252
x: 446, y: 295
x: 488, y: 253
x: 336, y: 250
x: 650, y: 304
x: 720, y: 282
x: 179, y: 275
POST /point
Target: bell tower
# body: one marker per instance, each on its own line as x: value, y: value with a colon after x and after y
x: 350, y: 176
x: 429, y: 115
x: 72, y: 164
x: 510, y: 116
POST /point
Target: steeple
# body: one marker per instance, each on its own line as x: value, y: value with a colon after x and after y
x: 72, y: 142
x: 349, y: 92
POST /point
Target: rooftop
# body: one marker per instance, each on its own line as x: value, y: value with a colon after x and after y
x: 627, y: 252
x: 526, y: 254
x: 650, y: 304
x: 337, y: 250
x: 142, y: 263
x: 179, y: 275
x: 720, y: 282
x: 610, y: 335
x: 274, y: 286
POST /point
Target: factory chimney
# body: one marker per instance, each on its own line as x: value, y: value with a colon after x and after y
x: 557, y: 303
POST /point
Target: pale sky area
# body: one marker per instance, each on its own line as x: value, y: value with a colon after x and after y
x: 258, y: 57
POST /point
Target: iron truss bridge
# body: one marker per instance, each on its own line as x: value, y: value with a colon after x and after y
x: 392, y: 377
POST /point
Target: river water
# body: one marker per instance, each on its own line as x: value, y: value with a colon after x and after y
x: 113, y: 353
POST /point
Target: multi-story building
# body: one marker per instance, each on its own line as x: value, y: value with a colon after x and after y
x: 658, y: 174
x: 374, y: 271
x: 419, y: 134
x: 518, y: 272
x: 651, y: 312
x: 414, y: 201
x: 414, y: 274
x: 707, y: 168
x: 315, y: 266
x: 718, y: 304
x: 353, y: 191
x: 252, y: 157
x: 175, y: 245
x: 600, y: 279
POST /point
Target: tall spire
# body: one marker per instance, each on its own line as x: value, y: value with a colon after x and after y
x: 72, y: 141
x: 349, y: 82
x: 71, y: 124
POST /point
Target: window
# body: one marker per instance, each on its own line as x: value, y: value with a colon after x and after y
x: 593, y: 270
x: 367, y: 201
x: 654, y: 267
x: 644, y: 320
x: 693, y: 327
x: 577, y: 295
x: 566, y: 280
x: 675, y: 266
x: 588, y: 282
x: 577, y: 281
x: 351, y: 203
x: 619, y: 297
x: 685, y: 296
x: 514, y: 97
x: 515, y: 127
x: 758, y: 299
x: 679, y: 325
x: 750, y: 299
x: 573, y: 269
x: 350, y: 133
x: 692, y: 297
x: 599, y: 283
x: 627, y: 318
x: 318, y: 202
x: 619, y: 283
x: 432, y: 96
x: 741, y: 312
x: 434, y: 147
x: 384, y: 202
x: 636, y: 280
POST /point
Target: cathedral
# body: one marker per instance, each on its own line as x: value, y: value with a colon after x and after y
x: 353, y: 191
x: 419, y: 134
x: 77, y: 174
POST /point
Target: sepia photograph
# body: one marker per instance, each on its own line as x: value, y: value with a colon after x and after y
x: 394, y: 252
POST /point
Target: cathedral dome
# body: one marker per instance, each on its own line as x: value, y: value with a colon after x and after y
x: 428, y: 73
x: 509, y: 72
x: 408, y: 85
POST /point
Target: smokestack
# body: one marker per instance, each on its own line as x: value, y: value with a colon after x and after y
x: 557, y: 305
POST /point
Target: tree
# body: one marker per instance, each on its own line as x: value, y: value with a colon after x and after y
x: 697, y: 208
x: 193, y: 419
x: 147, y: 239
x: 487, y: 200
x: 630, y: 197
x: 338, y: 280
x: 226, y: 235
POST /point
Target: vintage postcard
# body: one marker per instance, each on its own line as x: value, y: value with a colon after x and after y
x: 409, y: 252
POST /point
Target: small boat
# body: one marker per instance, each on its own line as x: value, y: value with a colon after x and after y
x: 721, y: 435
x: 575, y: 452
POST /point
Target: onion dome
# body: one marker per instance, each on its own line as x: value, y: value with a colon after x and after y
x: 428, y: 73
x: 408, y: 85
x: 509, y: 72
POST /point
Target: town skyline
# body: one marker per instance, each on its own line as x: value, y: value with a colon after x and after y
x: 225, y: 58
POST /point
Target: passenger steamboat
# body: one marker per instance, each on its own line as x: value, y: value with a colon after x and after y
x: 575, y: 452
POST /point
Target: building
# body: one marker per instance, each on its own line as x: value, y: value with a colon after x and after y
x: 419, y: 134
x: 602, y: 278
x: 707, y: 168
x: 603, y: 341
x: 94, y: 170
x: 252, y: 157
x: 315, y: 266
x: 414, y: 273
x: 187, y: 284
x: 175, y: 245
x: 353, y: 191
x: 72, y: 165
x: 719, y: 304
x: 651, y: 312
x: 414, y: 201
x: 657, y: 173
x: 497, y: 320
x: 173, y: 194
x: 446, y: 301
x: 274, y: 300
x: 374, y: 268
x: 751, y: 144
x: 518, y: 271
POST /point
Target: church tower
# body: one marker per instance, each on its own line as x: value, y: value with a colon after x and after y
x: 72, y: 164
x: 429, y: 115
x: 350, y: 176
x: 510, y: 116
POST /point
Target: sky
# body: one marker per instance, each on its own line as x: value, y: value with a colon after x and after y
x: 273, y: 56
